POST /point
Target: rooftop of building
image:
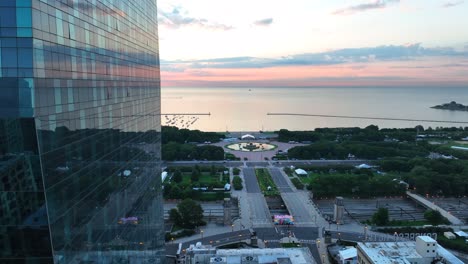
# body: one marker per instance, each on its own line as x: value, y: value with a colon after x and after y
x: 260, y: 256
x: 401, y: 252
x: 390, y: 252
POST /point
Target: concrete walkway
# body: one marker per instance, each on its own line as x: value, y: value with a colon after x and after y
x: 433, y: 206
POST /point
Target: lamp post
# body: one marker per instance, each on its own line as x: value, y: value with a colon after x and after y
x: 201, y: 232
x: 323, y: 258
x: 232, y: 228
x: 365, y: 233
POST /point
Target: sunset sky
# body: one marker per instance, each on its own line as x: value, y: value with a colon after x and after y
x: 227, y: 43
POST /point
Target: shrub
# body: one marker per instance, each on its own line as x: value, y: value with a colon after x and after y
x: 237, y: 183
x: 236, y: 171
x: 299, y: 185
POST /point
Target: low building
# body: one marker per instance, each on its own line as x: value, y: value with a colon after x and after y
x: 449, y: 235
x: 207, y: 255
x: 424, y: 250
x: 348, y: 256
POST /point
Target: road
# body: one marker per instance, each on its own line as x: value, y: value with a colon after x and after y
x: 279, y: 163
x: 251, y: 183
x: 259, y: 213
x: 280, y: 181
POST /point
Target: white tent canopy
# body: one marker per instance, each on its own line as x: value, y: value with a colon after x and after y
x: 163, y: 176
x: 300, y: 172
x: 364, y: 166
x: 247, y: 136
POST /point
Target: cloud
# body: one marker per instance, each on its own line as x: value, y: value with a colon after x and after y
x: 377, y: 4
x: 175, y: 19
x: 405, y: 52
x: 264, y: 22
x: 452, y: 3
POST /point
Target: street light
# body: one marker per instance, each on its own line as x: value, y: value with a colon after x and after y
x: 201, y: 232
x: 365, y: 233
x: 339, y: 236
x: 232, y: 228
x: 323, y: 258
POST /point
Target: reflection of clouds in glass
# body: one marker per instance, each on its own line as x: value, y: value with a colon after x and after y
x: 174, y: 19
x: 87, y: 7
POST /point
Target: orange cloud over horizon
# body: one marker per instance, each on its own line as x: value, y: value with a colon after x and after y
x: 423, y: 72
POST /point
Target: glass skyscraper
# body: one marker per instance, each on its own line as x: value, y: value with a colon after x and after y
x: 80, y: 132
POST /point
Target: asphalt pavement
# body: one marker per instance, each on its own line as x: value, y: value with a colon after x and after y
x: 259, y: 212
x: 251, y: 183
x: 280, y: 181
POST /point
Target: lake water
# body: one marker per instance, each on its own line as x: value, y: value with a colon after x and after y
x: 245, y: 109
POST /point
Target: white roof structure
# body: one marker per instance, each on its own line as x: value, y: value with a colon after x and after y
x: 247, y: 136
x: 227, y: 187
x: 459, y: 148
x: 348, y: 253
x: 163, y: 176
x: 364, y: 166
x: 461, y: 234
x: 300, y: 172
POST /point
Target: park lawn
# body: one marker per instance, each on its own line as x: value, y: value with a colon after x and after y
x: 307, y: 180
x: 205, y: 179
x: 265, y: 180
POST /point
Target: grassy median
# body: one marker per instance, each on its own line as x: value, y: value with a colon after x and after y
x: 265, y: 181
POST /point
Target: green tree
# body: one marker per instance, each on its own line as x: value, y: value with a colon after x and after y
x: 213, y: 170
x: 191, y: 213
x: 175, y: 192
x: 236, y: 171
x: 237, y: 183
x: 195, y: 175
x: 381, y: 217
x: 174, y: 216
x: 434, y: 217
x: 177, y: 176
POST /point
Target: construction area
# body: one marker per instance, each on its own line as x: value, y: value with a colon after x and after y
x: 360, y: 210
x: 458, y: 207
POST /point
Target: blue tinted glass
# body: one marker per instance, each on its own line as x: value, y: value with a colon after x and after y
x: 24, y: 32
x: 7, y: 3
x: 7, y: 17
x: 23, y: 17
x: 7, y: 32
x: 23, y: 3
x: 8, y: 42
x: 25, y: 43
x: 25, y: 58
x: 9, y: 58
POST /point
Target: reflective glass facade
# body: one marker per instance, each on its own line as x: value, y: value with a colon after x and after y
x: 80, y: 132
